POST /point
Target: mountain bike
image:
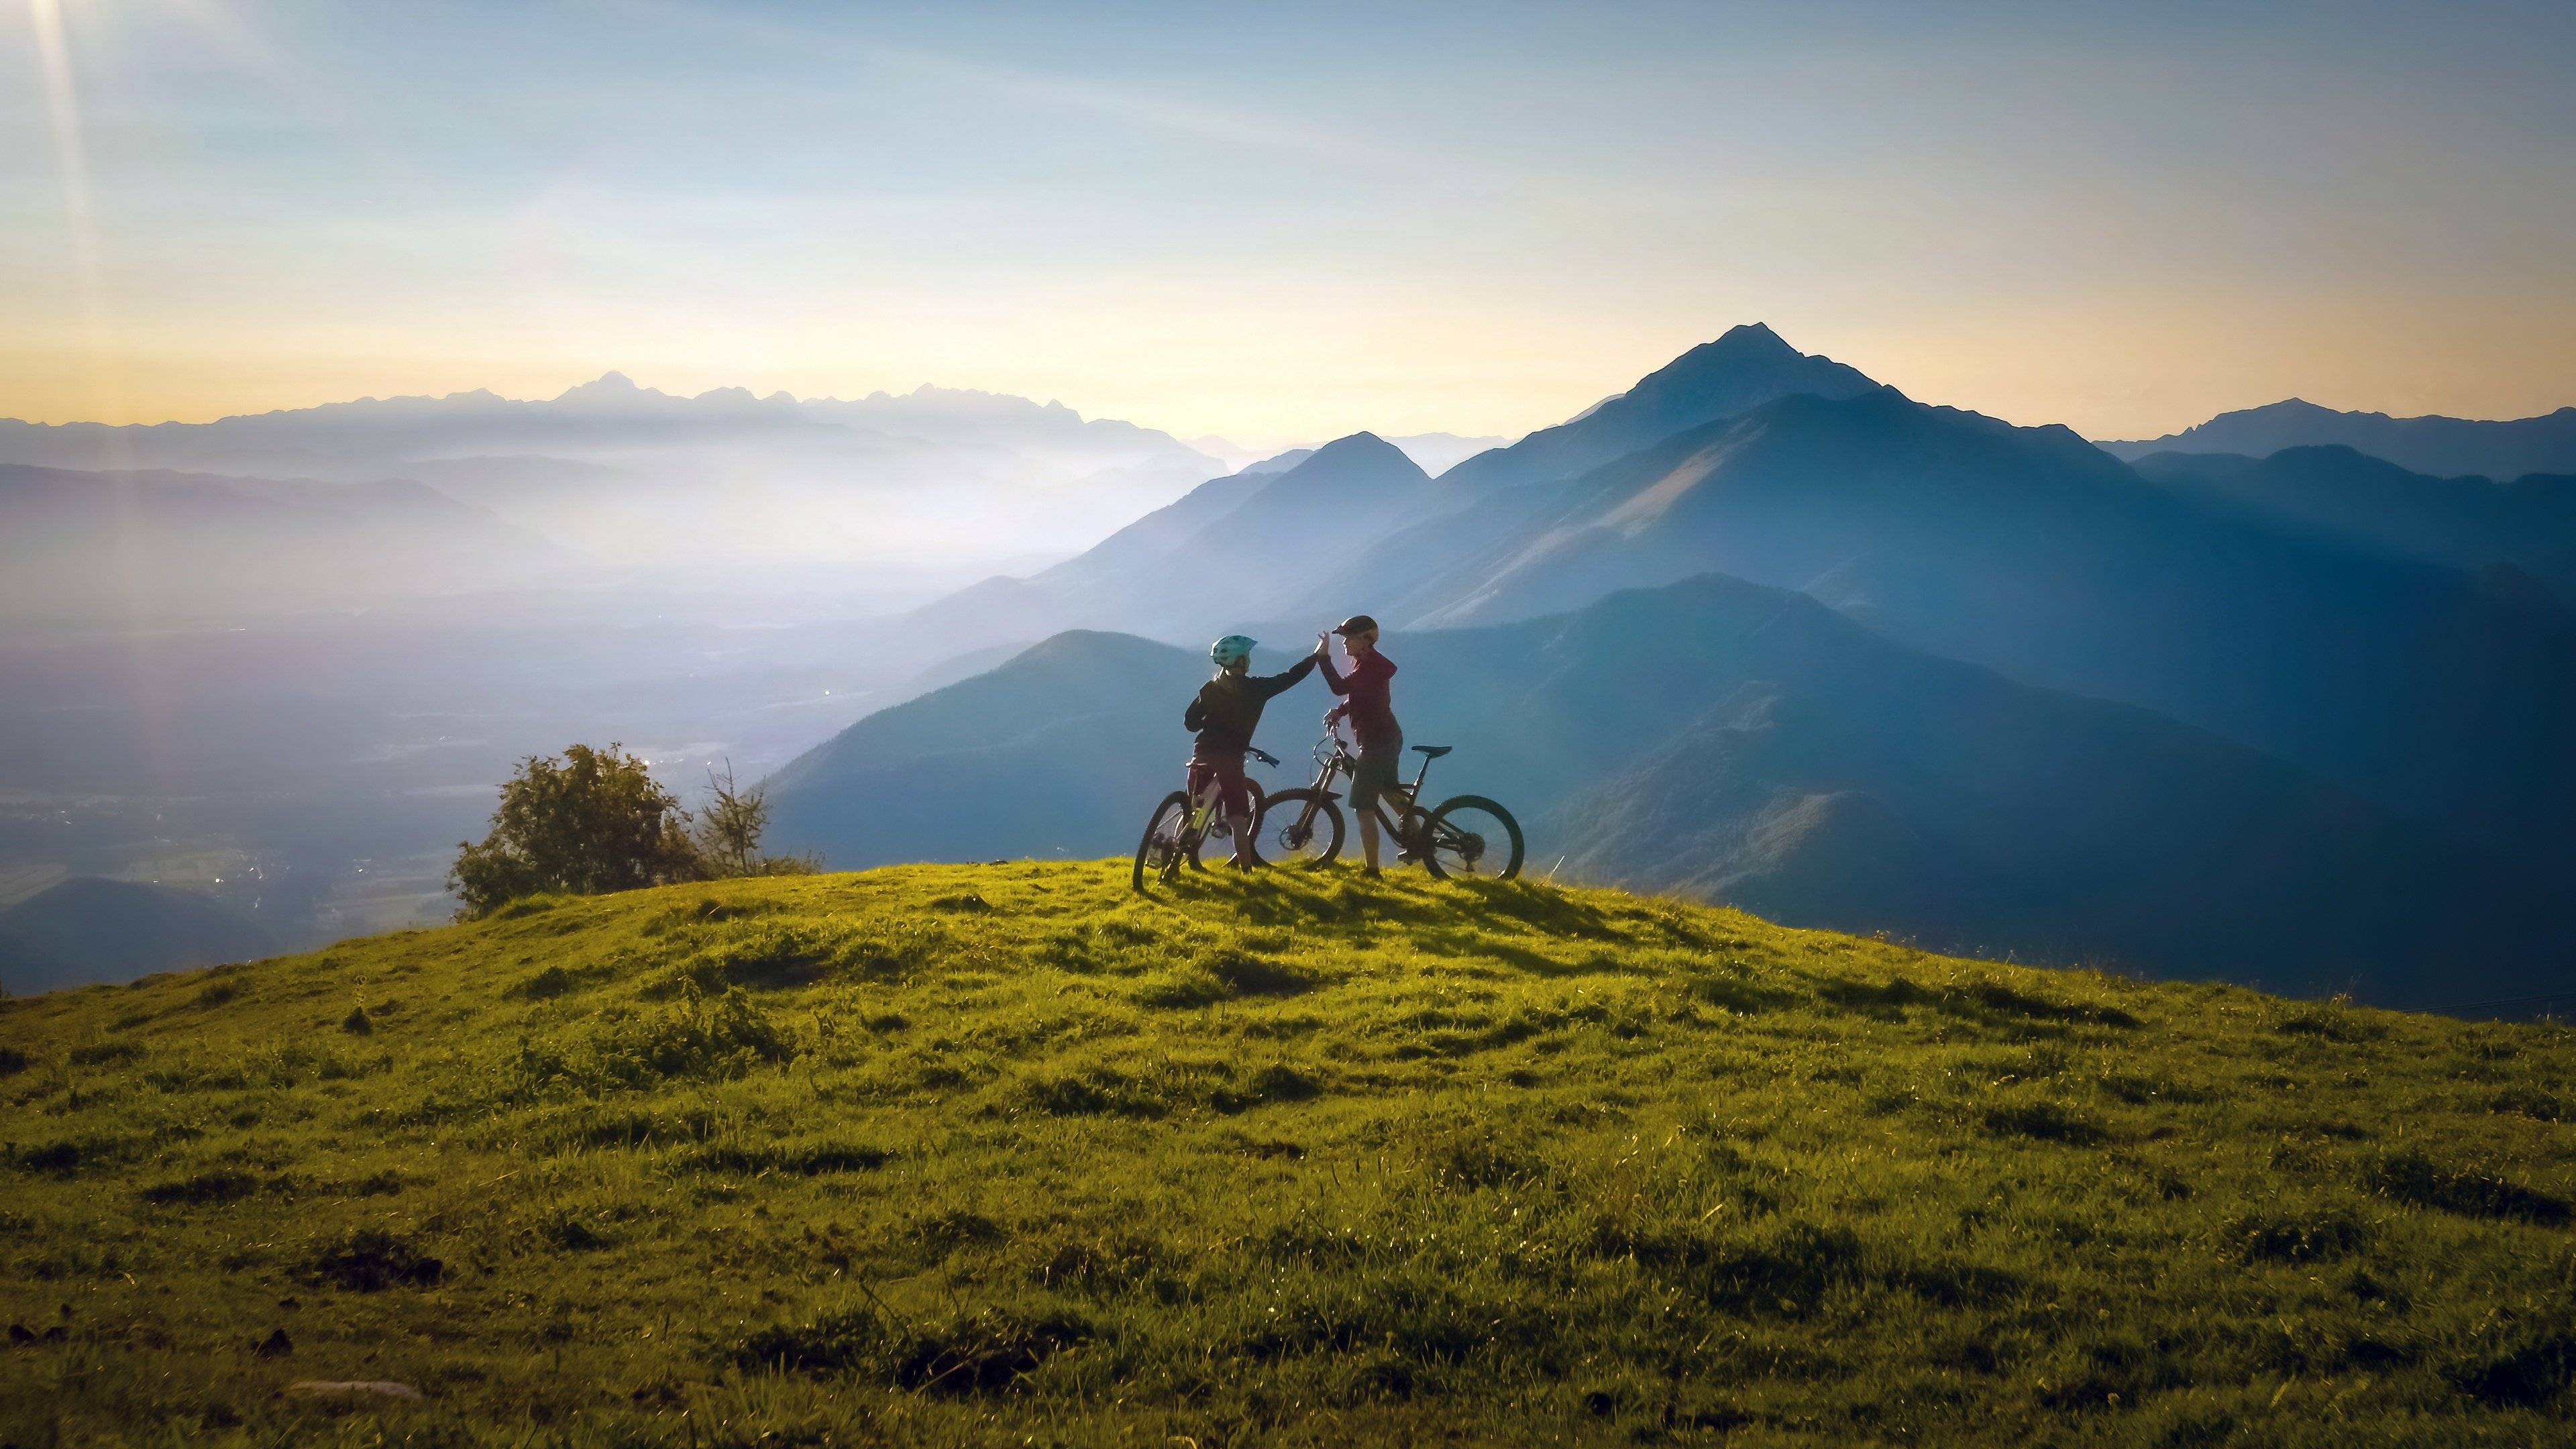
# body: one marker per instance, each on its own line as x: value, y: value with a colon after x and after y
x: 1182, y: 827
x: 1466, y: 836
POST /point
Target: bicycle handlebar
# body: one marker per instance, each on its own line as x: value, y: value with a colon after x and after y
x: 1264, y: 756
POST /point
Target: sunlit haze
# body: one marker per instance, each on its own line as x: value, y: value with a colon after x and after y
x: 1292, y: 222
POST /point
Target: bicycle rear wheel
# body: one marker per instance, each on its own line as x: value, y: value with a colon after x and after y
x: 1472, y: 838
x: 1160, y: 850
x: 1300, y: 828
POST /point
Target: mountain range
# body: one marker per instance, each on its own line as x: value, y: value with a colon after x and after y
x: 2440, y: 446
x: 2347, y: 497
x: 1256, y: 544
x: 629, y: 474
x: 1749, y: 745
x: 2289, y: 717
x: 2437, y: 691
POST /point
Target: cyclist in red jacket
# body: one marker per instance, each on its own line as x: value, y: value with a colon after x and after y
x: 1224, y: 713
x: 1364, y: 690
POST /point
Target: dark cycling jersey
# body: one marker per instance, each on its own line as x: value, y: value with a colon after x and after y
x: 1228, y: 708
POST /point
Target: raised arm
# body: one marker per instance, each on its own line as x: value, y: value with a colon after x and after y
x: 1273, y: 685
x: 1339, y: 682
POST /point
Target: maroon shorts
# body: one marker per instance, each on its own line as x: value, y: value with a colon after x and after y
x: 1234, y: 792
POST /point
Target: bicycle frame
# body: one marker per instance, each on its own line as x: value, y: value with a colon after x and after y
x: 1342, y: 761
x: 1203, y: 811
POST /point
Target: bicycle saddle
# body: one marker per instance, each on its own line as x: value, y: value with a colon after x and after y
x: 1434, y: 751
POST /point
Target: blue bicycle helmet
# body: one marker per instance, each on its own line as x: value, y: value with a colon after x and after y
x: 1230, y: 651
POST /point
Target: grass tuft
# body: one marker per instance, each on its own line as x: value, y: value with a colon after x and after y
x: 371, y: 1260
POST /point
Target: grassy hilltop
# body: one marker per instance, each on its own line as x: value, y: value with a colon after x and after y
x: 1001, y: 1155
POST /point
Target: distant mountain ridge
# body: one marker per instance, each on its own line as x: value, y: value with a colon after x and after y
x: 1312, y: 523
x: 1737, y: 743
x: 2338, y: 493
x: 2032, y: 552
x: 89, y: 929
x: 634, y: 474
x: 2443, y: 447
x: 1233, y: 550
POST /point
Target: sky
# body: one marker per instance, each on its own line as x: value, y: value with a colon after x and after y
x: 1287, y: 222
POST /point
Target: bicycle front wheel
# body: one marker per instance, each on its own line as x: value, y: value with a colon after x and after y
x: 1300, y: 828
x: 1472, y: 838
x: 1160, y: 850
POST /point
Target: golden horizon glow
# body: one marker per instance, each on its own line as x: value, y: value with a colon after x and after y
x: 1476, y: 231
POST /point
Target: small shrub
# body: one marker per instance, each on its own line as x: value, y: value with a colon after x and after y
x: 730, y: 824
x: 12, y: 1061
x: 358, y: 1023
x: 593, y: 821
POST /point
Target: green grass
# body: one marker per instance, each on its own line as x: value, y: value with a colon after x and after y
x: 1001, y: 1155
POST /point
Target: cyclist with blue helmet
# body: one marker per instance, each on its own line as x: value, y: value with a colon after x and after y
x: 1223, y: 716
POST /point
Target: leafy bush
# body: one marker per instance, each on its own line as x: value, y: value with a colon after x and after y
x: 730, y: 824
x: 591, y: 822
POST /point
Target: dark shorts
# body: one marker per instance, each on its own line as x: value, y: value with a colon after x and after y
x: 1234, y: 792
x: 1381, y: 768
